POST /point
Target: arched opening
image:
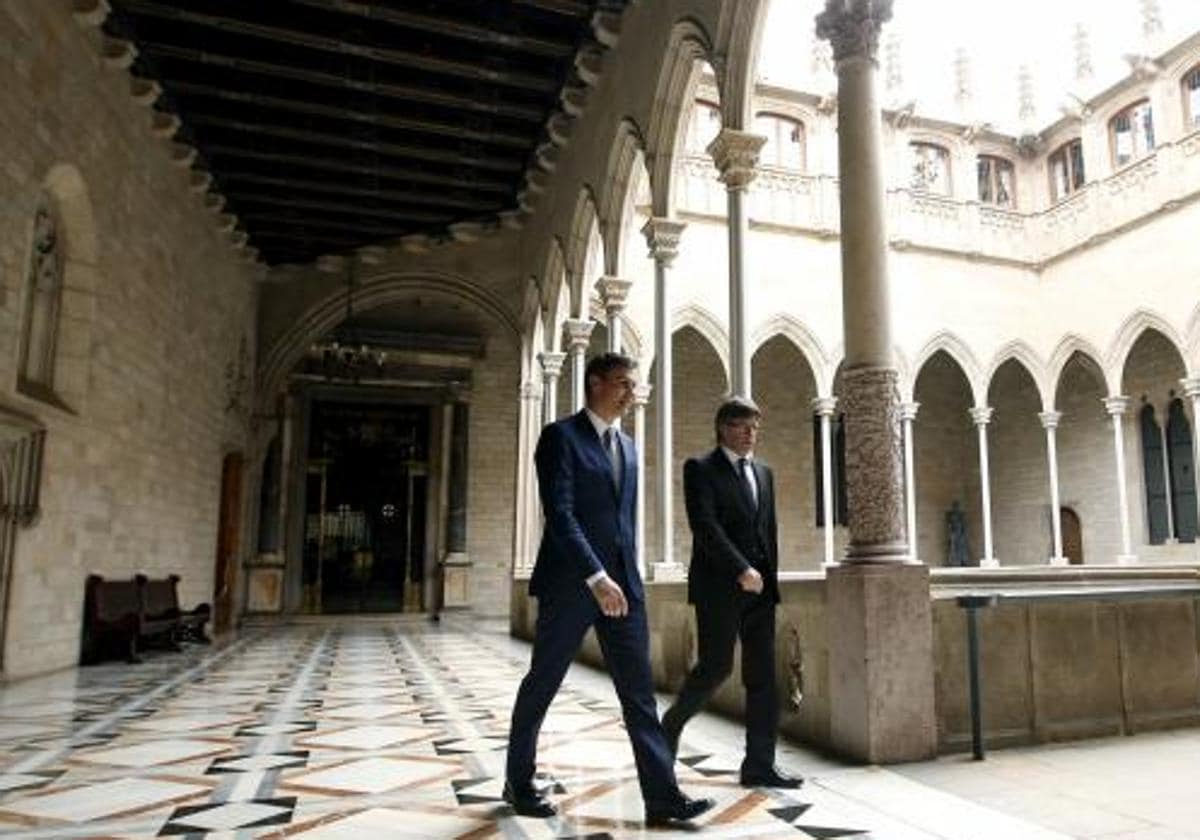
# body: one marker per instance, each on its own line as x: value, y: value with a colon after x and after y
x: 1022, y: 522
x: 1086, y: 458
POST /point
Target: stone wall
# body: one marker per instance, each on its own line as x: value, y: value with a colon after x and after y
x: 157, y: 319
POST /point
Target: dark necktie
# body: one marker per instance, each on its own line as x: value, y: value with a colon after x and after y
x: 613, y: 447
x: 748, y: 481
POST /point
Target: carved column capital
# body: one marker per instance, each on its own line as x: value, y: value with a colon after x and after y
x: 1191, y: 386
x: 613, y: 291
x: 852, y: 27
x: 981, y: 415
x: 579, y: 334
x: 662, y: 237
x: 908, y: 410
x: 552, y: 364
x: 1116, y: 405
x: 735, y: 154
x: 825, y: 406
x: 1050, y: 419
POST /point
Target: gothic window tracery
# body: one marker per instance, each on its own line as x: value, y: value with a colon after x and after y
x: 1132, y: 133
x: 43, y: 299
x: 930, y: 168
x: 997, y: 182
x: 785, y: 141
x: 1066, y: 169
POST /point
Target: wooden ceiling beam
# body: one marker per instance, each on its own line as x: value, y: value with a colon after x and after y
x: 264, y: 221
x: 403, y: 217
x: 432, y: 198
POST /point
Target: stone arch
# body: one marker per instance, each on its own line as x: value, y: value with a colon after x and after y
x: 584, y: 222
x: 373, y: 292
x: 628, y: 151
x: 1028, y: 359
x: 1073, y: 345
x: 739, y: 41
x: 1129, y: 333
x: 1193, y: 341
x: 557, y: 314
x: 688, y: 44
x: 787, y: 326
x: 532, y: 332
x: 956, y: 349
x: 704, y: 323
x: 554, y: 269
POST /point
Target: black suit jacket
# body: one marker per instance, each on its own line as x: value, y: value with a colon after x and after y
x: 729, y: 534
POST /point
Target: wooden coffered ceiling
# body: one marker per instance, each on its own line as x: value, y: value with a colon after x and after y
x: 329, y: 125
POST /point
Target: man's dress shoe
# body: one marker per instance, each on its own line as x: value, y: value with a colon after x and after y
x: 527, y: 802
x: 770, y: 778
x: 683, y: 809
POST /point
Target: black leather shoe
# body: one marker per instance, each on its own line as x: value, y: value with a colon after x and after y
x: 771, y: 778
x: 686, y: 808
x: 527, y: 802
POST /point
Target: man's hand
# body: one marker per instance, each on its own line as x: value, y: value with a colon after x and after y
x: 750, y: 581
x: 610, y: 597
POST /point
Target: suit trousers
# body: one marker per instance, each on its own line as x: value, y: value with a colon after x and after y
x: 563, y: 619
x: 718, y: 626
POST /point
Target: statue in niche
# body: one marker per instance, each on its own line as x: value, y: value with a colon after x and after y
x: 958, y: 548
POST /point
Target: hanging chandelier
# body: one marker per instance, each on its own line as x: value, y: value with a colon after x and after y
x: 342, y: 354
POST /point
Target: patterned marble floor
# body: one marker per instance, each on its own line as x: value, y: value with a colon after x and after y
x: 358, y: 730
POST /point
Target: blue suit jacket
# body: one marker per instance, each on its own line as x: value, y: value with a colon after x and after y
x: 590, y: 523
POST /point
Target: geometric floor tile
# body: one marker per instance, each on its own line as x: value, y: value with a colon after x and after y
x: 393, y: 824
x: 258, y: 762
x: 229, y: 816
x: 27, y: 781
x: 369, y: 775
x: 151, y: 753
x: 588, y: 753
x: 258, y: 730
x: 92, y: 802
x: 372, y: 711
x: 192, y: 721
x: 366, y: 737
x: 456, y: 746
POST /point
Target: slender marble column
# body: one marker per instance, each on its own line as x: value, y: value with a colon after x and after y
x: 552, y: 364
x: 527, y: 501
x: 1164, y: 447
x: 825, y: 407
x: 641, y: 396
x: 1050, y: 424
x: 662, y: 235
x: 1191, y: 389
x: 735, y: 154
x: 908, y: 413
x: 614, y: 291
x: 981, y: 415
x: 579, y: 334
x: 1116, y: 406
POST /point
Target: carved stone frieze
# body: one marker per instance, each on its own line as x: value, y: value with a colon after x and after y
x: 874, y: 465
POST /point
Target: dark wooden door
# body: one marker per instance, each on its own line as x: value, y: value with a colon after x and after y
x: 1072, y: 536
x: 225, y: 576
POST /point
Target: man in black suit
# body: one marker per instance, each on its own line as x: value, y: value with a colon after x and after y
x: 733, y: 584
x: 586, y: 576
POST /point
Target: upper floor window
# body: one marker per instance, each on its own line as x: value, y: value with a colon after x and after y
x: 996, y: 181
x: 1066, y: 169
x: 1132, y: 133
x: 1191, y: 97
x: 930, y: 168
x: 785, y: 141
x: 43, y: 298
x: 704, y: 127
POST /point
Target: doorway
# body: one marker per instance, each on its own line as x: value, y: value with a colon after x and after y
x: 1072, y: 536
x: 366, y: 505
x: 228, y: 527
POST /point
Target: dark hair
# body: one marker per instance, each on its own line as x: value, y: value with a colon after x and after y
x: 735, y: 408
x: 604, y: 364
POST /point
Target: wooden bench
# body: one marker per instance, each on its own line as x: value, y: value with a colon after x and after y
x: 124, y: 616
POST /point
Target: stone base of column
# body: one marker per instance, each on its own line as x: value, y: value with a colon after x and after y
x: 1126, y: 559
x: 667, y: 572
x: 1060, y: 561
x: 881, y: 694
x: 989, y: 563
x: 456, y: 580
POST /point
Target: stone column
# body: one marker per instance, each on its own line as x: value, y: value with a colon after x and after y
x: 1191, y: 389
x: 824, y: 407
x: 981, y: 415
x: 735, y: 154
x: 1164, y: 446
x: 641, y: 396
x: 908, y: 413
x: 526, y: 536
x: 1116, y: 406
x: 579, y: 334
x: 552, y: 364
x: 614, y: 291
x: 1050, y: 424
x: 456, y: 562
x: 662, y: 235
x: 880, y: 624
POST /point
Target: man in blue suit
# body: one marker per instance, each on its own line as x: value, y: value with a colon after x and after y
x: 586, y: 576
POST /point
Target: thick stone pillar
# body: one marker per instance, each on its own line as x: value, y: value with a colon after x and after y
x: 1116, y: 406
x: 662, y: 235
x: 579, y: 334
x: 824, y: 407
x: 614, y: 291
x: 735, y: 154
x: 1050, y: 424
x: 641, y: 396
x: 879, y: 616
x: 908, y: 413
x: 456, y: 561
x: 552, y: 364
x: 981, y: 415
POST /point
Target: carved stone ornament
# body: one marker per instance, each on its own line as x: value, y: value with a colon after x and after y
x: 662, y: 236
x: 874, y: 465
x: 852, y: 26
x: 614, y: 291
x: 735, y: 154
x: 578, y: 334
x: 552, y: 364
